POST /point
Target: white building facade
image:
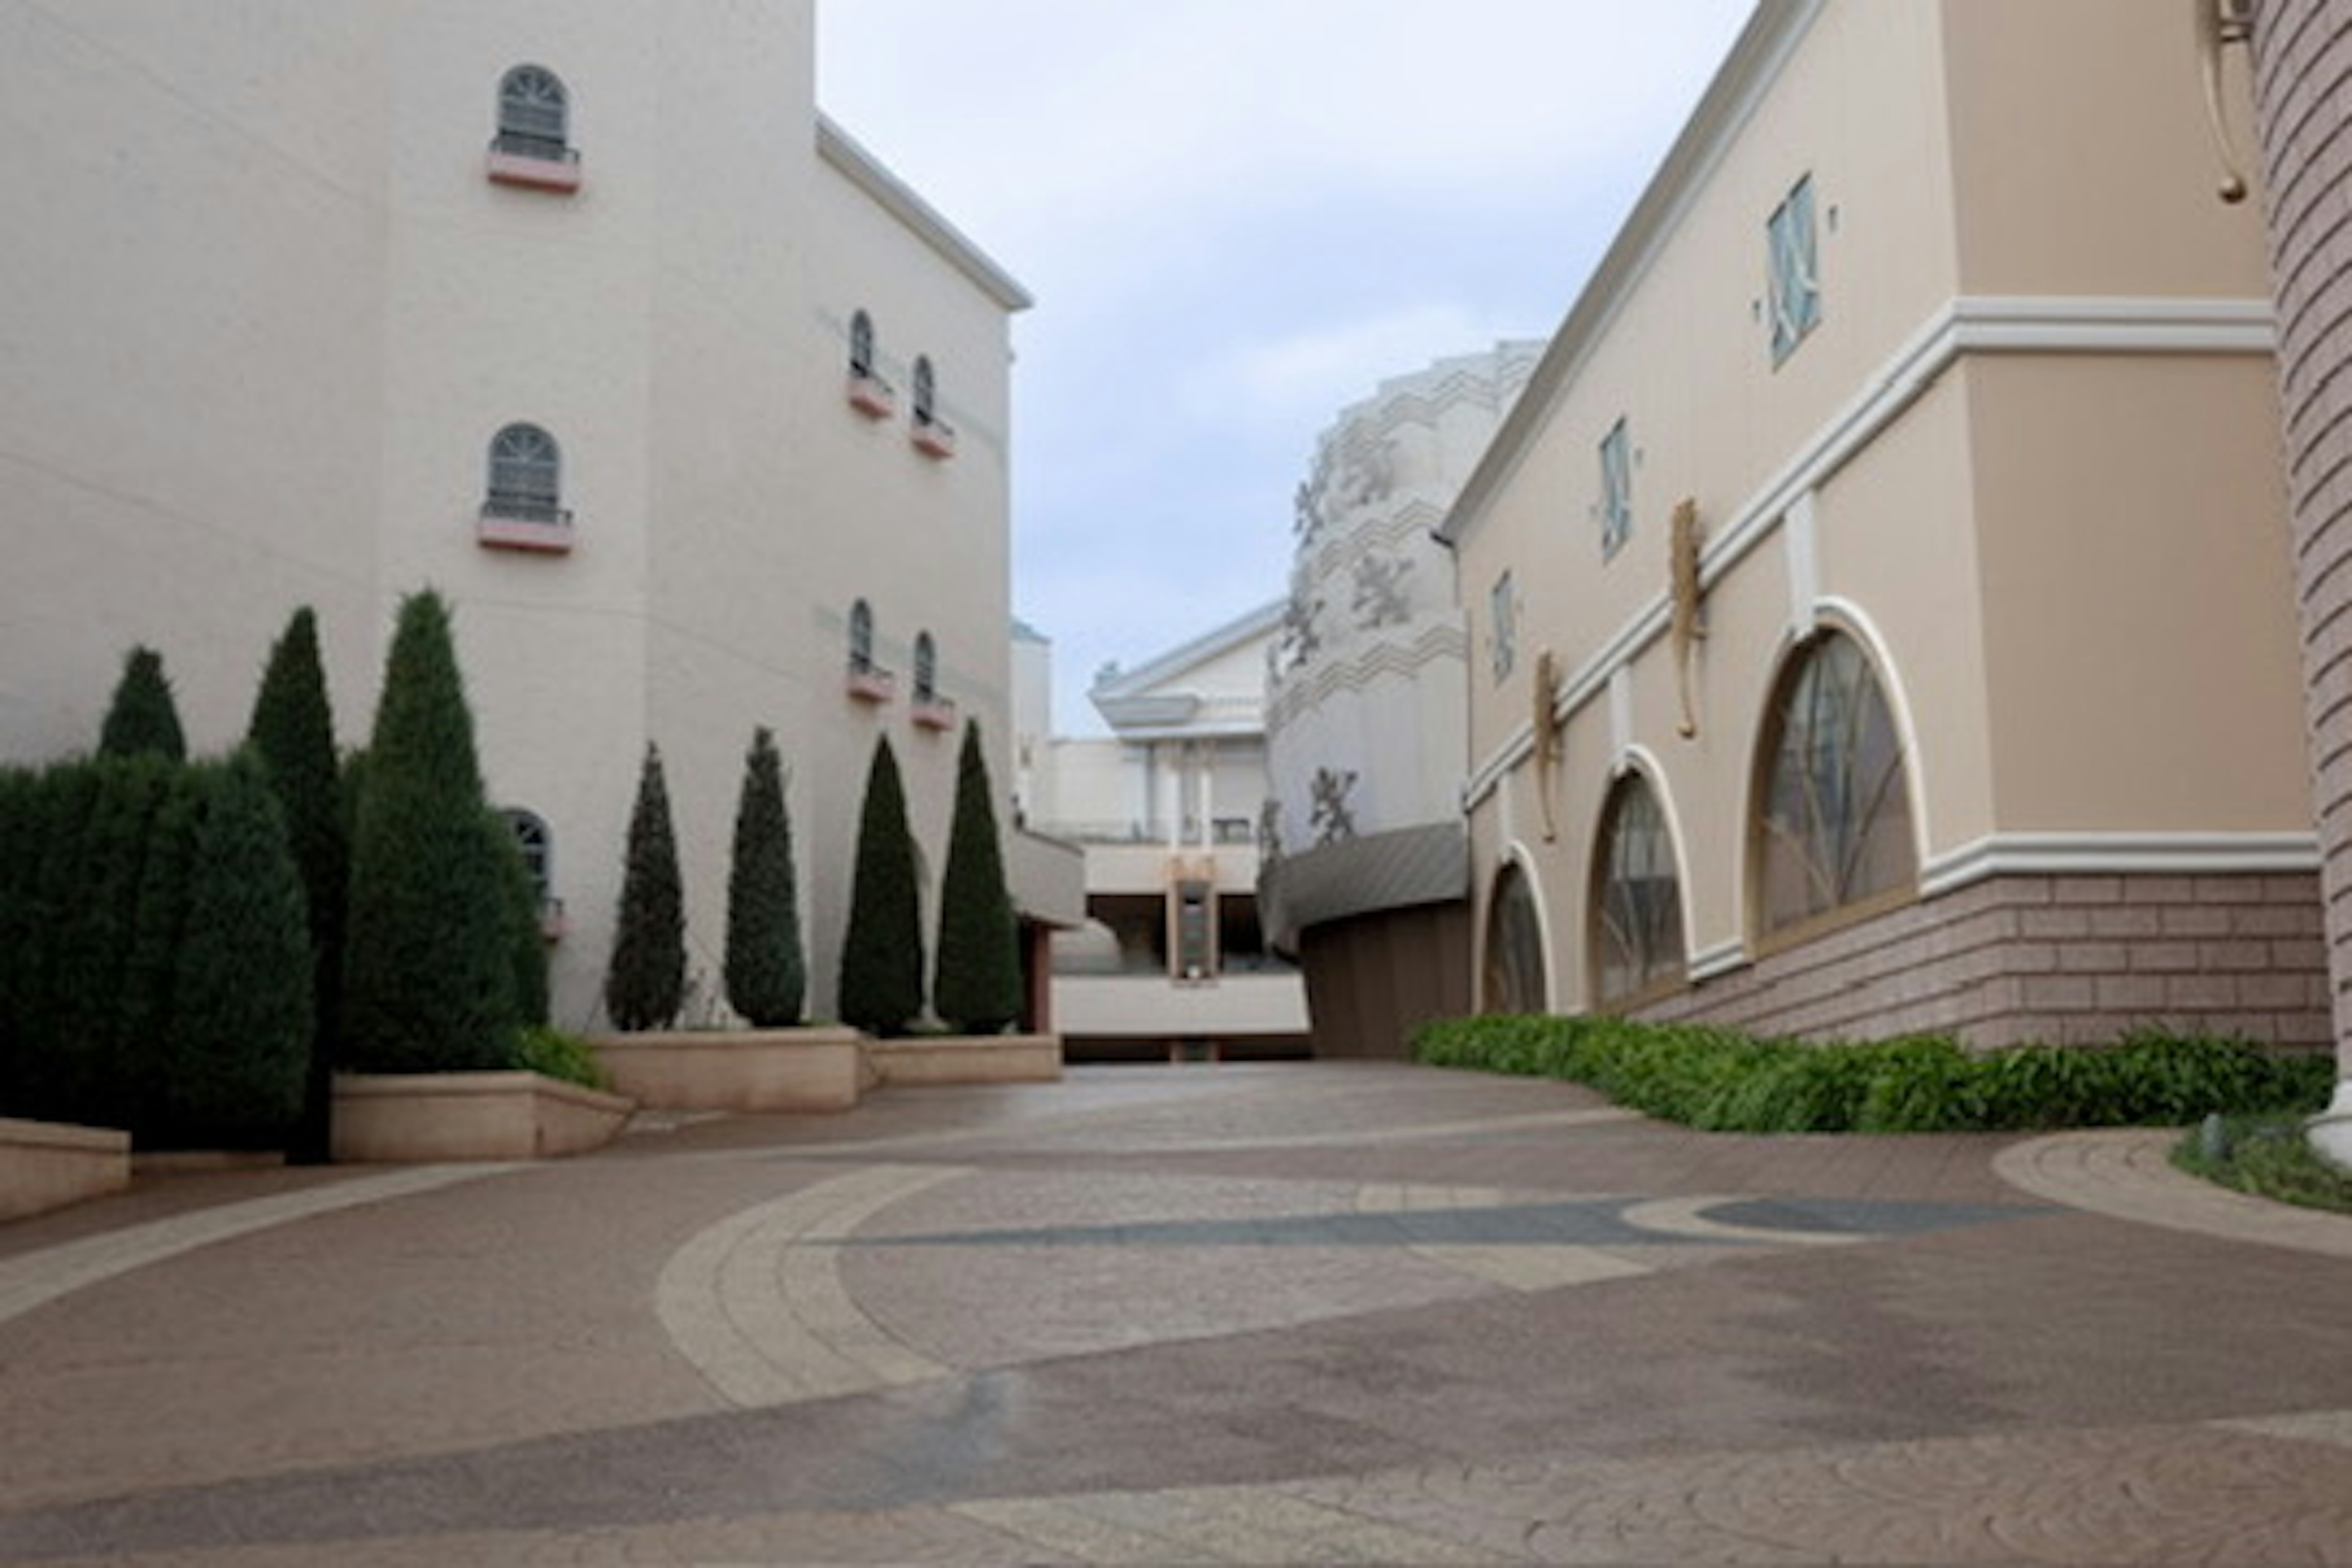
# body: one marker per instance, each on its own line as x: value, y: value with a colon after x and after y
x: 579, y: 313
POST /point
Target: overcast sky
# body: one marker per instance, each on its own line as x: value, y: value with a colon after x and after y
x: 1238, y: 216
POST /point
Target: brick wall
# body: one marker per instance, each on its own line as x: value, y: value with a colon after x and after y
x: 2066, y: 959
x: 2302, y: 71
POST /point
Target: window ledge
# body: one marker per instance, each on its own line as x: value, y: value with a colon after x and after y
x: 933, y: 437
x: 871, y: 684
x: 871, y: 396
x: 541, y: 536
x: 934, y: 713
x: 535, y: 171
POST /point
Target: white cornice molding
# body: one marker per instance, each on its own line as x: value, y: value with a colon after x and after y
x: 898, y: 198
x: 2118, y: 854
x: 1968, y: 325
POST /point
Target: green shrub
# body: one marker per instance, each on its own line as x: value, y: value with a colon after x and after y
x: 2268, y: 1156
x: 644, y: 984
x: 1722, y: 1081
x: 978, y: 988
x: 428, y: 972
x: 882, y: 953
x: 554, y: 1053
x: 765, y: 972
x: 526, y: 942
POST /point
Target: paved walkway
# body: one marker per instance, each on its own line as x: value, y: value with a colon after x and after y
x: 1236, y: 1314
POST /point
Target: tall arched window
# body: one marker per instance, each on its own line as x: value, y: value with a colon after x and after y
x: 526, y: 476
x: 534, y: 113
x: 927, y: 667
x: 861, y: 637
x: 926, y: 391
x: 1833, y: 819
x: 1637, y: 898
x: 861, y: 344
x: 1515, y: 971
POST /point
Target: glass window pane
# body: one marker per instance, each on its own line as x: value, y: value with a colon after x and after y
x: 1835, y: 821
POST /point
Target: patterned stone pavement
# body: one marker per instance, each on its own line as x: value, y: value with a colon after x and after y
x: 1220, y: 1314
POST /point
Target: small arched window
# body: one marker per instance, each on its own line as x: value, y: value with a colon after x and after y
x: 861, y: 344
x: 926, y: 391
x: 861, y: 637
x: 538, y: 847
x: 1833, y: 820
x: 927, y: 668
x: 534, y: 114
x: 526, y: 476
x: 1516, y: 978
x: 1637, y: 900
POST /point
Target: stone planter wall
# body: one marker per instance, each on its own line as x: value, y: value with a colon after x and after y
x: 44, y: 1165
x: 966, y: 1059
x: 815, y: 1068
x: 423, y: 1117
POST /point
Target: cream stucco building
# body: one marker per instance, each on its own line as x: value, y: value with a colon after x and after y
x: 1880, y: 598
x: 579, y: 312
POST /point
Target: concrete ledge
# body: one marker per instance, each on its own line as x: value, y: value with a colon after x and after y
x: 967, y: 1059
x: 45, y: 1165
x: 814, y: 1069
x: 423, y: 1117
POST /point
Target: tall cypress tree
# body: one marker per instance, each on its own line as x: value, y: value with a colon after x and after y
x: 526, y: 942
x: 767, y: 976
x: 240, y: 1008
x: 428, y: 978
x: 645, y: 984
x: 978, y: 989
x: 293, y: 729
x: 142, y: 718
x: 882, y: 954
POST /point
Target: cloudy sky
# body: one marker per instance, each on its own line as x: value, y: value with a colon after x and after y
x: 1238, y: 216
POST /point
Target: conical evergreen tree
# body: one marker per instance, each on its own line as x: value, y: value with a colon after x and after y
x: 767, y: 977
x: 293, y: 729
x: 428, y: 977
x: 142, y: 718
x: 644, y: 985
x: 882, y: 954
x: 978, y: 990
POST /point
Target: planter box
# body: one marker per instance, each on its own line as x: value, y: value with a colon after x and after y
x: 535, y: 171
x: 967, y: 1059
x: 423, y: 1118
x: 45, y: 1165
x: 813, y: 1068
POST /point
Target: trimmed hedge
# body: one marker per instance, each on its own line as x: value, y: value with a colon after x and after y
x: 1723, y: 1080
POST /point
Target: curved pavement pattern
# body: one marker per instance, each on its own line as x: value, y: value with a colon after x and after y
x: 1330, y: 1313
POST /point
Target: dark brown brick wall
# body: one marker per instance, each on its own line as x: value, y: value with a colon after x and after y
x: 2066, y: 959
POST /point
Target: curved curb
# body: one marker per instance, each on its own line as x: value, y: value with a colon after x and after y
x: 2128, y: 1174
x: 757, y: 1302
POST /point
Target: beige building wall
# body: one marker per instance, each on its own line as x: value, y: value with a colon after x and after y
x: 2022, y: 459
x: 273, y: 313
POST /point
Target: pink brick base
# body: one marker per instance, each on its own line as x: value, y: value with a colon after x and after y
x: 2063, y: 959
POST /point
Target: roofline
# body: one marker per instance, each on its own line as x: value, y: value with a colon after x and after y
x: 1238, y: 630
x: 894, y: 195
x: 1771, y: 35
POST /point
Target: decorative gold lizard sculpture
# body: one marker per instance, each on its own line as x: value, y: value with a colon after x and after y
x: 1689, y: 627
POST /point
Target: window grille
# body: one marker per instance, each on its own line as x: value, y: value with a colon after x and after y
x: 927, y: 668
x: 861, y: 344
x: 526, y: 476
x: 534, y: 114
x: 861, y: 637
x: 927, y: 392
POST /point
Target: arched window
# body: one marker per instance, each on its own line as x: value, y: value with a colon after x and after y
x: 538, y: 847
x: 1637, y: 898
x: 861, y: 344
x: 927, y: 667
x: 926, y: 391
x: 861, y: 637
x: 1833, y: 820
x: 534, y: 114
x: 1515, y: 977
x: 526, y: 476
